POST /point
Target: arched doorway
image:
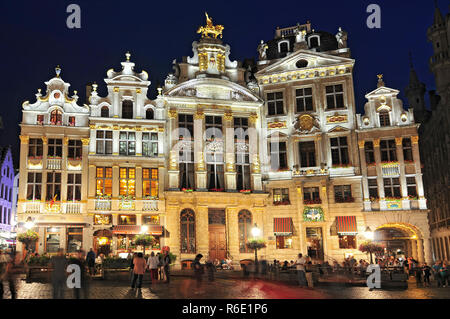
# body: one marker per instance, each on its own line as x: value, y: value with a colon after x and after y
x: 400, y: 241
x: 102, y: 241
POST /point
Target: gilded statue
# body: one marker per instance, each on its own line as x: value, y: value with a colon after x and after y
x: 210, y: 29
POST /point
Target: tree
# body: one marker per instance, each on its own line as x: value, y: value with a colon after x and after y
x: 144, y: 240
x: 28, y: 238
x: 371, y: 248
x: 256, y: 244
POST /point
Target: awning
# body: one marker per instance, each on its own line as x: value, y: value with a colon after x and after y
x: 282, y: 226
x: 346, y: 225
x: 133, y: 229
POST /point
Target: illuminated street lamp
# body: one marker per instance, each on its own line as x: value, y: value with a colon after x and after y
x: 369, y: 233
x: 256, y: 232
x: 144, y: 229
x: 29, y: 224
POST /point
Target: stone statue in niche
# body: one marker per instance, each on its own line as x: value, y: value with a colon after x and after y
x: 300, y: 35
x: 262, y: 48
x: 342, y: 37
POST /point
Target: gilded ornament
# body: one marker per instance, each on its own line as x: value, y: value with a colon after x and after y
x: 173, y: 114
x: 361, y: 144
x: 199, y: 115
x: 415, y: 139
x: 44, y: 139
x: 92, y: 126
x: 24, y: 139
x: 253, y: 118
x: 66, y: 140
x: 85, y: 141
x: 376, y: 143
x: 398, y: 141
x: 228, y: 116
x: 210, y: 29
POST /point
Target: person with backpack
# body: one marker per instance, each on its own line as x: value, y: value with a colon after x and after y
x: 198, y: 270
x: 426, y: 275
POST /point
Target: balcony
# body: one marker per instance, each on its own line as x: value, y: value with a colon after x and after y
x: 103, y: 204
x: 149, y: 205
x: 32, y: 207
x: 73, y: 208
x: 309, y: 171
x: 54, y: 163
x: 390, y: 169
x: 127, y: 204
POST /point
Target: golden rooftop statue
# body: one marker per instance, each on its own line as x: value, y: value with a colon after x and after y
x: 214, y: 30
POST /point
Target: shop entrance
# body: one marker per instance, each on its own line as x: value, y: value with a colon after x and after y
x: 102, y: 242
x: 217, y: 234
x: 314, y: 241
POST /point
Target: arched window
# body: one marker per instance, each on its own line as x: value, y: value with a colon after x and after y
x: 284, y: 47
x: 187, y: 231
x: 314, y: 42
x: 149, y: 114
x: 127, y: 109
x: 104, y: 111
x: 384, y: 118
x: 56, y: 117
x: 245, y: 225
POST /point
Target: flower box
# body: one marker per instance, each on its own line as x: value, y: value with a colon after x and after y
x: 150, y: 198
x: 187, y: 190
x: 342, y: 166
x: 103, y: 197
x: 345, y: 200
x: 393, y: 199
x: 312, y: 201
x: 280, y: 203
x: 216, y: 190
x: 245, y: 191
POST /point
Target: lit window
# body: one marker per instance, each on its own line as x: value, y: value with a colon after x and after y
x: 127, y: 182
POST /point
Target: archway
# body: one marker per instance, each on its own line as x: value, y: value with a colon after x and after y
x: 102, y: 241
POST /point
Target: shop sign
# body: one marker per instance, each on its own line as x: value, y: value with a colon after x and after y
x: 313, y: 214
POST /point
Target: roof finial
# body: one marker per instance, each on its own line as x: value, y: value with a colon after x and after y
x: 94, y: 87
x: 58, y: 71
x: 380, y: 80
x: 128, y: 55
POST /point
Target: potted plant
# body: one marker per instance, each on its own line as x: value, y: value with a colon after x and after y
x: 144, y: 240
x: 256, y: 244
x: 245, y: 191
x: 28, y: 238
x: 369, y: 247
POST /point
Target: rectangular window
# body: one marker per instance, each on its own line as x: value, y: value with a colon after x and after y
x: 150, y: 144
x: 407, y: 150
x: 73, y: 187
x: 242, y: 157
x: 186, y: 153
x: 104, y: 142
x: 127, y: 143
x: 335, y: 96
x: 369, y: 152
x: 34, y: 185
x: 392, y: 187
x: 52, y: 239
x: 373, y: 188
x: 278, y: 156
x: 186, y: 126
x: 150, y: 182
x: 127, y: 219
x: 127, y: 182
x: 35, y: 147
x: 311, y: 195
x: 102, y: 219
x: 275, y: 103
x: 53, y: 186
x: 75, y: 149
x: 412, y: 187
x: 74, y: 239
x: 307, y: 154
x: 304, y: 100
x: 104, y: 181
x: 384, y: 119
x: 284, y: 242
x: 214, y: 153
x: 281, y: 196
x: 150, y: 219
x: 343, y: 194
x: 388, y: 151
x: 54, y: 147
x: 347, y: 242
x: 339, y: 151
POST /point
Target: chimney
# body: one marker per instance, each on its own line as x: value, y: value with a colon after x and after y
x: 88, y: 92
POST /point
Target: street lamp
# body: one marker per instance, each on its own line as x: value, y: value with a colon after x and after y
x: 29, y: 223
x: 369, y: 233
x: 144, y: 229
x: 256, y: 231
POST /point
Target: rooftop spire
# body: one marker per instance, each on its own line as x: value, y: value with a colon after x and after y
x: 438, y: 18
x: 57, y: 71
x: 380, y: 80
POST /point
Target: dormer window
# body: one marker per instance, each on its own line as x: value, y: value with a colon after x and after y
x: 127, y: 109
x: 56, y: 117
x: 149, y: 114
x: 314, y: 42
x: 384, y: 119
x: 71, y: 120
x: 104, y: 112
x: 283, y: 47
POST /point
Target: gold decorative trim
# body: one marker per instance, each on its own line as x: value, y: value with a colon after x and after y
x: 66, y: 140
x: 44, y: 139
x: 173, y: 114
x: 138, y: 90
x: 228, y: 116
x: 253, y: 118
x: 24, y: 139
x: 376, y: 142
x: 116, y: 89
x: 276, y: 125
x: 115, y: 154
x: 161, y: 129
x: 92, y: 126
x: 415, y: 139
x: 85, y: 141
x: 398, y: 141
x: 361, y: 144
x: 116, y: 127
x: 199, y: 115
x: 334, y: 119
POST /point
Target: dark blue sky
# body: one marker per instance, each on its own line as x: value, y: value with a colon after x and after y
x: 35, y: 39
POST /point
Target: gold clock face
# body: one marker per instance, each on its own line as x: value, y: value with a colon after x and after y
x: 306, y: 122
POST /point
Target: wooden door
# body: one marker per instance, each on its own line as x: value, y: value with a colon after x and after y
x: 217, y: 242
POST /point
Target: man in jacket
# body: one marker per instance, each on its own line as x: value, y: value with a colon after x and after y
x: 166, y: 264
x: 300, y: 265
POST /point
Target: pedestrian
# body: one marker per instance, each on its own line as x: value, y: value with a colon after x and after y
x: 211, y: 270
x: 90, y: 260
x: 444, y: 274
x: 198, y: 269
x: 80, y: 261
x: 436, y: 273
x: 160, y: 266
x: 426, y: 275
x: 300, y: 265
x: 153, y: 262
x: 138, y: 270
x: 418, y: 275
x: 10, y: 274
x: 130, y: 258
x: 59, y: 266
x: 166, y: 265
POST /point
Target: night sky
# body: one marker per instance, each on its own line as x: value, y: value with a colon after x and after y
x: 35, y: 38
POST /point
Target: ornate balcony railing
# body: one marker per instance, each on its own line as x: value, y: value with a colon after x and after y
x: 32, y: 207
x: 72, y: 208
x: 103, y: 204
x: 149, y: 205
x: 127, y: 204
x: 390, y: 169
x: 54, y: 163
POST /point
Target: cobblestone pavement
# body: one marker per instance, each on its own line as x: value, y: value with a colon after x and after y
x: 183, y: 288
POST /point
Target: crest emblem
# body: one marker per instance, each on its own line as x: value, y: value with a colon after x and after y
x: 305, y: 123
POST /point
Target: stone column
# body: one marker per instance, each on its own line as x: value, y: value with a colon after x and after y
x: 24, y: 140
x: 376, y: 145
x: 414, y: 248
x: 138, y: 186
x: 63, y: 195
x: 232, y: 232
x: 365, y: 183
x: 115, y: 102
x: 401, y: 161
x: 254, y: 154
x: 199, y: 156
x: 427, y: 250
x: 93, y: 136
x: 115, y: 188
x: 138, y: 142
x: 419, y: 182
x: 173, y: 170
x: 230, y: 165
x: 172, y: 226
x: 420, y: 251
x: 44, y: 174
x: 116, y: 138
x: 85, y: 174
x: 201, y: 230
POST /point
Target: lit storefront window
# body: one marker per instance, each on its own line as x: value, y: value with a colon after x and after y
x: 52, y: 239
x: 127, y: 219
x: 74, y: 239
x: 127, y: 182
x: 150, y: 219
x: 150, y: 182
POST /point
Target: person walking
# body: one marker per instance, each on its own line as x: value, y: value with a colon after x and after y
x: 166, y: 265
x: 153, y: 262
x: 426, y: 275
x: 436, y: 273
x: 90, y: 260
x: 444, y: 274
x: 138, y: 270
x: 10, y: 275
x: 80, y: 261
x: 418, y: 275
x: 300, y: 266
x: 59, y: 266
x: 198, y: 270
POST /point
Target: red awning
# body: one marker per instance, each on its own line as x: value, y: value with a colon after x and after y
x: 283, y: 226
x: 133, y: 229
x: 346, y: 225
